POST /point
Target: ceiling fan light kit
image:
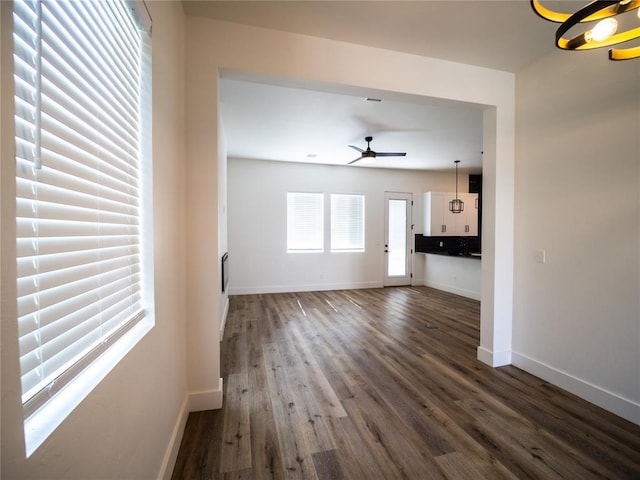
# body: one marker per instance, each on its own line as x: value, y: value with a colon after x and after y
x: 368, y: 156
x: 603, y: 33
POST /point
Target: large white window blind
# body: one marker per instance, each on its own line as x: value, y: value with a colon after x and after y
x: 347, y: 223
x: 305, y: 220
x: 78, y: 111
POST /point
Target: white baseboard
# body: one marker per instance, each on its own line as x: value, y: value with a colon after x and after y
x: 494, y: 359
x: 302, y: 288
x: 453, y: 289
x: 206, y: 400
x: 623, y: 407
x: 169, y: 461
x: 225, y: 312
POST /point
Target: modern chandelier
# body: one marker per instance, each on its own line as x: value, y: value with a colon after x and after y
x: 604, y: 33
x: 456, y: 205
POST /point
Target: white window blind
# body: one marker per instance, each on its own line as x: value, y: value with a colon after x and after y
x: 305, y: 220
x: 78, y: 69
x: 347, y: 223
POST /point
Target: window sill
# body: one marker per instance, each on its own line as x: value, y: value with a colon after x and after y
x: 41, y: 424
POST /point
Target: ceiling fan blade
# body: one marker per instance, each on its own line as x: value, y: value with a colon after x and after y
x: 354, y: 161
x: 356, y: 148
x: 391, y: 154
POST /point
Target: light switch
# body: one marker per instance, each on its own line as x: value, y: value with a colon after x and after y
x: 541, y: 256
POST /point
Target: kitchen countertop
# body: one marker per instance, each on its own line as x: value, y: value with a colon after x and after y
x: 447, y: 254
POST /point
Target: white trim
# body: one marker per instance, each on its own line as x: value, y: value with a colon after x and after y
x: 207, y: 399
x: 170, y: 456
x: 610, y: 401
x: 303, y: 288
x: 223, y: 320
x: 451, y: 289
x: 494, y: 359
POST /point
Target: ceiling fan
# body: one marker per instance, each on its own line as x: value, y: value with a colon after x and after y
x: 368, y: 155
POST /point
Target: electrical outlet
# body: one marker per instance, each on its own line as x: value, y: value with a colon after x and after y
x: 541, y: 256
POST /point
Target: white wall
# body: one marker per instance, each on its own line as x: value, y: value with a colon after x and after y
x: 222, y: 221
x: 459, y: 275
x: 129, y: 425
x: 577, y: 317
x: 216, y: 48
x: 257, y: 193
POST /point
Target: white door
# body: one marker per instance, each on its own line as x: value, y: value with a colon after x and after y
x: 397, y: 244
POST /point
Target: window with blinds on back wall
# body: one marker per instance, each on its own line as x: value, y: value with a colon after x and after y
x: 79, y: 73
x: 347, y: 223
x: 305, y: 222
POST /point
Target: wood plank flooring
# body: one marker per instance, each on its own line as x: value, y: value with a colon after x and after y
x: 385, y: 384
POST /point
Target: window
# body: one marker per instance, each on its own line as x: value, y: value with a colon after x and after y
x: 80, y: 115
x: 347, y: 223
x: 305, y: 219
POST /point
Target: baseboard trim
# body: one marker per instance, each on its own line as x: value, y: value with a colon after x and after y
x: 225, y: 312
x: 302, y: 288
x: 207, y: 399
x: 610, y: 401
x: 494, y: 359
x: 170, y: 456
x: 452, y: 289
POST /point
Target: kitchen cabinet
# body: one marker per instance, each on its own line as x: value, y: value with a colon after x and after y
x: 439, y: 221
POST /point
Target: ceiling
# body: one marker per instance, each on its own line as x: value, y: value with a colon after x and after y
x: 271, y: 121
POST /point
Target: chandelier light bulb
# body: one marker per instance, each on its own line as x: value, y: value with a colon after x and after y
x: 602, y: 30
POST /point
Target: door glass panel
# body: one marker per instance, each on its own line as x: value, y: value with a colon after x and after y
x: 397, y: 264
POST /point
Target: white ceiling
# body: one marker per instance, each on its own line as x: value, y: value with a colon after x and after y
x: 272, y: 121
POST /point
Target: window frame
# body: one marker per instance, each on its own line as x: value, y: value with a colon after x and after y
x: 54, y: 405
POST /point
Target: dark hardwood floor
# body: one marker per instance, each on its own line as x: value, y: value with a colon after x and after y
x: 385, y: 384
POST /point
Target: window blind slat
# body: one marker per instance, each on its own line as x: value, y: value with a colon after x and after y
x: 49, y: 273
x: 59, y: 245
x: 59, y: 355
x: 115, y: 43
x: 61, y: 351
x: 55, y: 209
x: 90, y: 307
x: 82, y: 300
x: 37, y: 347
x: 80, y: 201
x: 52, y: 228
x: 75, y: 51
x: 78, y: 181
x: 42, y: 264
x: 57, y: 104
x: 65, y: 88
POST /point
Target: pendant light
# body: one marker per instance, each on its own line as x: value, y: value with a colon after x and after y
x: 456, y: 205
